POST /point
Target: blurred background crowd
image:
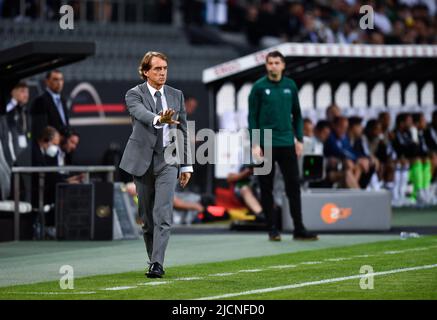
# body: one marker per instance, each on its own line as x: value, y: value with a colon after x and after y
x: 249, y: 24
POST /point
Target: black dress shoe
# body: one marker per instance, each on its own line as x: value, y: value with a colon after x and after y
x: 260, y: 218
x: 305, y: 235
x: 274, y: 236
x: 155, y: 271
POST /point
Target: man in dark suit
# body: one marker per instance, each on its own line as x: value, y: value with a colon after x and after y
x: 50, y: 109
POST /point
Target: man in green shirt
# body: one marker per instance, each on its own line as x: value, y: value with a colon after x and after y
x: 274, y: 104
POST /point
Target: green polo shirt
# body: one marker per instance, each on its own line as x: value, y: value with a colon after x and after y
x: 275, y: 105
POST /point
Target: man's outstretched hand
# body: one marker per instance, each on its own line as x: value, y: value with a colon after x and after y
x: 165, y: 117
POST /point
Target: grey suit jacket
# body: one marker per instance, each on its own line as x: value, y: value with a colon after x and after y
x: 138, y: 153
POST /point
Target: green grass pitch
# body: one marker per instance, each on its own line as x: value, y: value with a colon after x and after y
x: 403, y: 269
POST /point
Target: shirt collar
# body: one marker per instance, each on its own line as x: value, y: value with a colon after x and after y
x: 152, y: 90
x: 53, y: 94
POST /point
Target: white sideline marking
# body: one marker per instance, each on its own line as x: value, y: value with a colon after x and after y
x: 336, y: 259
x: 153, y: 283
x: 311, y: 262
x: 420, y: 249
x: 156, y: 283
x: 251, y: 270
x: 189, y: 278
x: 119, y: 288
x: 363, y: 256
x: 53, y: 293
x: 285, y: 266
x: 313, y: 283
x: 392, y: 252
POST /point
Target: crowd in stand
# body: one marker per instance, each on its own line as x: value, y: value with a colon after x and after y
x: 266, y: 22
x: 372, y: 155
x: 338, y: 21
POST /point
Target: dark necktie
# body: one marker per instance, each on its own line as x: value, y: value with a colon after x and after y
x: 159, y: 141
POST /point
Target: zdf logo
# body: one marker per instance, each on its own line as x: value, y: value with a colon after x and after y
x: 331, y: 213
x: 67, y: 280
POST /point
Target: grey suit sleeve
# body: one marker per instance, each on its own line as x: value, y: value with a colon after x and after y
x: 183, y: 128
x: 136, y: 108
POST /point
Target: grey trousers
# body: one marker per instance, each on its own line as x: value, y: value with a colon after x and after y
x: 155, y: 205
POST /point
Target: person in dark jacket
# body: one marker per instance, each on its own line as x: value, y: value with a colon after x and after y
x: 50, y: 108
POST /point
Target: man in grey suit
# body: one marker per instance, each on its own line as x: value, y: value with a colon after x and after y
x: 152, y: 105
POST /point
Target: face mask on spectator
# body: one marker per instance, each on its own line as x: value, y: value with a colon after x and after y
x: 52, y: 150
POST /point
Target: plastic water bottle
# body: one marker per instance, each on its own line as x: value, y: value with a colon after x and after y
x: 406, y: 235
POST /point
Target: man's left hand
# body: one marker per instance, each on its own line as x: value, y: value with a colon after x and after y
x: 184, y: 178
x: 299, y: 148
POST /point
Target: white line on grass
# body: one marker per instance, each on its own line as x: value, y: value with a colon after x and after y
x: 251, y: 270
x: 156, y: 283
x: 224, y: 274
x: 392, y: 252
x: 311, y: 262
x: 53, y: 293
x: 313, y: 283
x: 285, y: 266
x: 363, y: 256
x: 119, y: 288
x: 336, y: 259
x: 153, y: 283
x: 189, y: 279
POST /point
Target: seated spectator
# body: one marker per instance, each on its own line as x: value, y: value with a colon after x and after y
x: 332, y: 112
x: 69, y: 143
x: 406, y: 153
x: 185, y: 206
x: 340, y: 155
x: 381, y: 150
x: 431, y: 142
x: 292, y: 22
x: 45, y: 151
x: 367, y: 162
x: 431, y: 133
x: 314, y: 144
x: 308, y: 128
x: 422, y: 168
x: 243, y: 188
x: 384, y: 119
x: 185, y: 209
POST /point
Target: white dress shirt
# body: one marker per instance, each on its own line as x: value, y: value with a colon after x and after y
x: 11, y: 105
x: 165, y: 126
